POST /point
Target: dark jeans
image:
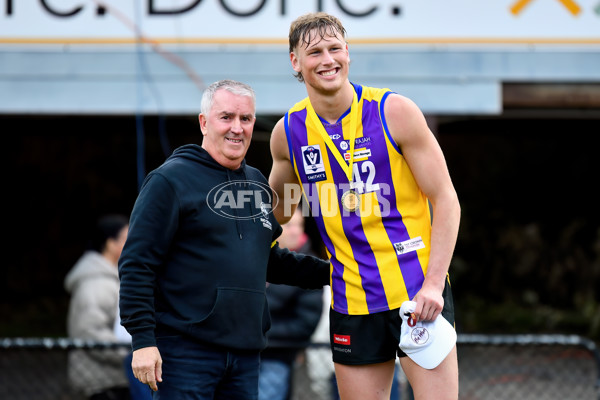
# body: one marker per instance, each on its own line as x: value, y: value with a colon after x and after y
x: 194, y: 371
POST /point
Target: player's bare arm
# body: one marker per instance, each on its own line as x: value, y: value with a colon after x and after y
x: 426, y: 161
x: 283, y: 176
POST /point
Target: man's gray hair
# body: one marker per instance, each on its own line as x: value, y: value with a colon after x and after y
x: 234, y: 87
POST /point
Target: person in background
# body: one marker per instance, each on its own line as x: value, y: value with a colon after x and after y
x: 93, y: 284
x: 295, y: 313
x: 200, y: 249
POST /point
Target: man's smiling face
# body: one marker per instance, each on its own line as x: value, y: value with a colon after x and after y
x: 228, y: 127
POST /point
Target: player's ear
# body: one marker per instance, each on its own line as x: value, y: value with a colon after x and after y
x: 295, y: 62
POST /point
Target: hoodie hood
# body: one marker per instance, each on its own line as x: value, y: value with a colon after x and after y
x: 91, y: 265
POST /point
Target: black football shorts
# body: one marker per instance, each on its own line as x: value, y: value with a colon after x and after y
x: 372, y: 338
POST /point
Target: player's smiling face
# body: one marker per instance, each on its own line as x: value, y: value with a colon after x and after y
x: 228, y: 128
x: 323, y: 62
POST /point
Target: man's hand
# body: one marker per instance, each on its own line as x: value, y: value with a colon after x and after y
x: 147, y: 366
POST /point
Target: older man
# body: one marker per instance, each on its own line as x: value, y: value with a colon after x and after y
x: 199, y: 250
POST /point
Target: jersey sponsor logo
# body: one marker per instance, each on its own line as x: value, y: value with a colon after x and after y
x: 359, y: 154
x: 313, y: 163
x: 342, y: 349
x: 363, y: 141
x: 409, y: 245
x: 341, y: 339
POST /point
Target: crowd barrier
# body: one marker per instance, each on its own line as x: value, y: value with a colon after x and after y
x: 512, y: 367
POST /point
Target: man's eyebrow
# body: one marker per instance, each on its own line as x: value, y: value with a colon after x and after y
x: 231, y: 114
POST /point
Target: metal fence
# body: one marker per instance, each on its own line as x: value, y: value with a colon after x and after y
x: 515, y: 367
x: 528, y: 367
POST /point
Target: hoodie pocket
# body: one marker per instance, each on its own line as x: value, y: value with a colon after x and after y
x: 239, y: 319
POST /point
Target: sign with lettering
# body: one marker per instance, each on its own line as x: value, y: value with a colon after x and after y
x: 267, y: 21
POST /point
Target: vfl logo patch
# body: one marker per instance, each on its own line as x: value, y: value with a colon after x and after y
x: 313, y: 163
x: 341, y: 339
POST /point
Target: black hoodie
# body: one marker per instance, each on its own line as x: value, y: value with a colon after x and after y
x: 198, y: 253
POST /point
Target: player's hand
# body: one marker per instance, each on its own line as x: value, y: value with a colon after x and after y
x: 147, y: 366
x: 430, y: 303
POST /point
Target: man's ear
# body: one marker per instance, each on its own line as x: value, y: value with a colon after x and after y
x: 202, y: 121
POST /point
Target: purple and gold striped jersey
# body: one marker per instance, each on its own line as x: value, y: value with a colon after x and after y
x: 380, y: 251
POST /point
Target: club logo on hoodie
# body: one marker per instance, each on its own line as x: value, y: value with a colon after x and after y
x: 266, y: 210
x: 242, y: 199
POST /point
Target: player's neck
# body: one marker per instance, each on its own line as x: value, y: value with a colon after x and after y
x: 331, y: 105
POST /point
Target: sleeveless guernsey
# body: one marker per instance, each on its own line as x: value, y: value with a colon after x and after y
x: 379, y: 251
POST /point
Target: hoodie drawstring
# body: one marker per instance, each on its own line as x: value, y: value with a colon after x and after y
x: 237, y: 219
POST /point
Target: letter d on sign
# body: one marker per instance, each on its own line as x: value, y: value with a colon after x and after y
x: 153, y: 11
